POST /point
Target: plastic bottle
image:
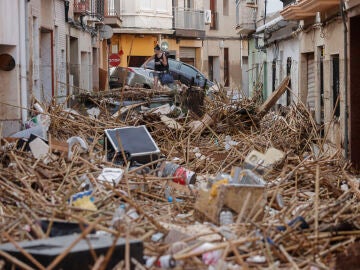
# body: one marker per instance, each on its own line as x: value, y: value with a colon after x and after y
x: 119, y: 216
x: 168, y: 194
x: 181, y: 175
x: 226, y: 218
x: 166, y: 261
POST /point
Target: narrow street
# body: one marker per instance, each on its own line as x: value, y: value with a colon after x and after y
x: 179, y: 134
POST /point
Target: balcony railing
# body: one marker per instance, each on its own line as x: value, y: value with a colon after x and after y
x: 245, y: 18
x: 214, y: 20
x: 92, y: 8
x: 302, y: 9
x: 189, y: 19
x: 111, y: 13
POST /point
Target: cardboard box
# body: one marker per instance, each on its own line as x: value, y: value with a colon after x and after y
x: 232, y: 196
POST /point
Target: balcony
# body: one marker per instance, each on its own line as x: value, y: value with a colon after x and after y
x: 189, y: 23
x: 93, y: 9
x: 112, y: 18
x: 245, y: 18
x: 303, y: 9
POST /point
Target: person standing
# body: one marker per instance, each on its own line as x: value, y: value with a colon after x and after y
x: 161, y: 64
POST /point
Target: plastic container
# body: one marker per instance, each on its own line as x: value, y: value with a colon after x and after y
x: 226, y: 218
x: 118, y: 216
x: 248, y: 177
x: 111, y: 175
x: 210, y: 257
x: 166, y: 261
x: 181, y: 175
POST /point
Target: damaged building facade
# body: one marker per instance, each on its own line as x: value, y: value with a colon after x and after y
x: 314, y: 43
x: 48, y: 50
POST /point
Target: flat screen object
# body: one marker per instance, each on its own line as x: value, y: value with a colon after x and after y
x: 136, y: 143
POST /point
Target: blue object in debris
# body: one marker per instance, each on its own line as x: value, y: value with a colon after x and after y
x: 303, y: 224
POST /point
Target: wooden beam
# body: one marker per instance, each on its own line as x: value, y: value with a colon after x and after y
x: 266, y: 106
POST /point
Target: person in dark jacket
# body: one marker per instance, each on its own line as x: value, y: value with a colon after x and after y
x: 161, y: 64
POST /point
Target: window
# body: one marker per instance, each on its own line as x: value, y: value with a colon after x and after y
x: 226, y: 7
x: 336, y: 84
x: 273, y: 67
x: 188, y: 4
x: 226, y: 68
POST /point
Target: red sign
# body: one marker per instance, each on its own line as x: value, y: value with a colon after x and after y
x: 114, y: 60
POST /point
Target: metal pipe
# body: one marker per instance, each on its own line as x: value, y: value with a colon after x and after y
x: 346, y: 124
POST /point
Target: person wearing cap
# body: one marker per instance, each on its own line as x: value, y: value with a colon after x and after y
x: 161, y: 64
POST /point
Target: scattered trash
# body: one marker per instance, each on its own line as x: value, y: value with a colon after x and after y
x: 83, y: 200
x: 131, y: 144
x: 61, y: 228
x: 181, y: 175
x: 111, y: 175
x: 298, y: 220
x: 209, y: 257
x: 226, y: 217
x: 45, y: 251
x: 164, y: 262
x: 157, y: 237
x: 93, y: 113
x: 39, y: 148
x: 256, y: 259
x: 270, y: 197
x: 263, y: 162
x: 76, y: 141
x: 229, y: 143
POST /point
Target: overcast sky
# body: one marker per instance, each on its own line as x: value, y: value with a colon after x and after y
x: 273, y: 5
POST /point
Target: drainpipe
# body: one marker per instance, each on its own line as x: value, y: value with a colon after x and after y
x: 346, y: 125
x: 23, y: 19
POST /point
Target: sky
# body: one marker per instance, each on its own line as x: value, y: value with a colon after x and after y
x: 273, y: 5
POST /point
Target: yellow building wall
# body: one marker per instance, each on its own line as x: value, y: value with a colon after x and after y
x: 132, y: 45
x: 143, y: 45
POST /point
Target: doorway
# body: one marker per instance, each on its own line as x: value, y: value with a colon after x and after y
x: 354, y: 97
x: 211, y: 68
x: 226, y: 68
x: 85, y: 71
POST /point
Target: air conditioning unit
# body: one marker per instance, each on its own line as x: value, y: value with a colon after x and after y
x: 250, y: 2
x: 208, y: 16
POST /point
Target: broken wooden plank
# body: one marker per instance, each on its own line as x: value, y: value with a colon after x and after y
x: 274, y: 97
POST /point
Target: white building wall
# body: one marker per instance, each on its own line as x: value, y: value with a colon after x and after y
x: 10, y: 116
x: 281, y: 52
x: 155, y: 14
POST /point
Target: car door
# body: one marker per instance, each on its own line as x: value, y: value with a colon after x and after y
x: 174, y: 68
x: 187, y: 74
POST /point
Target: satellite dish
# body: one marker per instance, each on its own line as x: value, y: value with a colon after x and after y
x: 106, y: 32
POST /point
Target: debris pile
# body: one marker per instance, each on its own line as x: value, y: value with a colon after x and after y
x: 230, y: 187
